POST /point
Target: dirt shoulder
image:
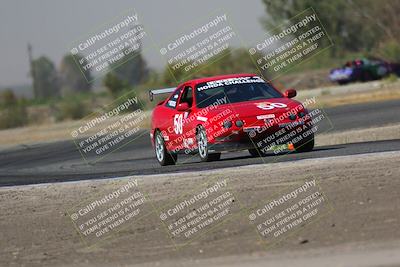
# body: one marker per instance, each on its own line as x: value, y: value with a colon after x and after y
x: 372, y: 134
x: 357, y: 93
x: 361, y: 193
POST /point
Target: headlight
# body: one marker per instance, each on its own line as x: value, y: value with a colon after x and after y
x: 292, y: 117
x: 239, y: 123
x: 301, y: 114
x: 227, y: 124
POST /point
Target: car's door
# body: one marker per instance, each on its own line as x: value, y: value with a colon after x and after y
x: 189, y: 121
x: 177, y: 134
x: 169, y: 119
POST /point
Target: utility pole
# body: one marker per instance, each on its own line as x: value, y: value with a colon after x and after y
x: 32, y: 70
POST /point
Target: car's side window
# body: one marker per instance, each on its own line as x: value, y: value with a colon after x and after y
x: 172, y: 101
x: 187, y: 96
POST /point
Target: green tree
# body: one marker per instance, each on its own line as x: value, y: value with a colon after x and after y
x: 114, y: 85
x: 390, y: 50
x: 228, y: 62
x: 383, y: 15
x: 44, y: 75
x: 344, y: 21
x: 233, y: 61
x: 7, y: 98
x: 13, y: 111
x: 132, y: 67
x: 71, y: 107
x: 72, y: 78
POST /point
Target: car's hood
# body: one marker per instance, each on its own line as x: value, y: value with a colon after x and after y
x: 256, y: 107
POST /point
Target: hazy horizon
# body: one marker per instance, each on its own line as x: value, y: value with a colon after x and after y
x: 50, y: 27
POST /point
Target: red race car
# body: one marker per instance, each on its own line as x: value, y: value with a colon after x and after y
x: 211, y: 115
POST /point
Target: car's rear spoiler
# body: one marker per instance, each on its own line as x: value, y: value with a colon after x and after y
x: 160, y: 91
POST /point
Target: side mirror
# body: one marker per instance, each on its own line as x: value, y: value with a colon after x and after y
x: 290, y: 93
x: 183, y: 106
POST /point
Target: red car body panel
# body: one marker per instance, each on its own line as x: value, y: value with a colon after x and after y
x: 251, y: 113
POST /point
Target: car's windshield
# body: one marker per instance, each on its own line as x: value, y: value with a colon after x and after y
x: 234, y: 93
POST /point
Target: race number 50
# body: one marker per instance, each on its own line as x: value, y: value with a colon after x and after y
x: 269, y: 106
x: 178, y: 123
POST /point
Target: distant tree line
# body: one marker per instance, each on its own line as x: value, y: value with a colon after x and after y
x: 50, y: 82
x: 365, y: 26
x: 354, y: 25
x: 126, y: 73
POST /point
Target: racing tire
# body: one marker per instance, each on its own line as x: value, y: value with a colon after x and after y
x: 306, y: 146
x: 203, y: 146
x: 164, y: 157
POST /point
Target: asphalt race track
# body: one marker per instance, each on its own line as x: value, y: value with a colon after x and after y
x: 61, y: 161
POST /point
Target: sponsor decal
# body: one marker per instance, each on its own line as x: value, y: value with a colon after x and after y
x: 178, y: 123
x: 252, y: 128
x: 200, y: 118
x: 230, y: 81
x: 172, y: 103
x: 266, y: 116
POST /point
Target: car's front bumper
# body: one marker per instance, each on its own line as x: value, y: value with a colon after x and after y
x: 263, y: 139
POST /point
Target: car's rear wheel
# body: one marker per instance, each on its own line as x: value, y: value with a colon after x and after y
x: 306, y: 146
x: 164, y: 157
x: 203, y: 146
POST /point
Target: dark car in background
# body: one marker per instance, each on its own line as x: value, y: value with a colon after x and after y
x: 363, y: 70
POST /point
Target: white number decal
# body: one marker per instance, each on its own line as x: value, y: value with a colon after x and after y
x: 178, y: 123
x: 269, y: 106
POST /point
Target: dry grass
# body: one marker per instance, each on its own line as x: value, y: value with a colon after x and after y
x: 49, y: 132
x: 390, y: 93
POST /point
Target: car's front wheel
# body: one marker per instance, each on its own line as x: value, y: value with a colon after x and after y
x: 203, y: 146
x: 164, y: 157
x: 306, y: 146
